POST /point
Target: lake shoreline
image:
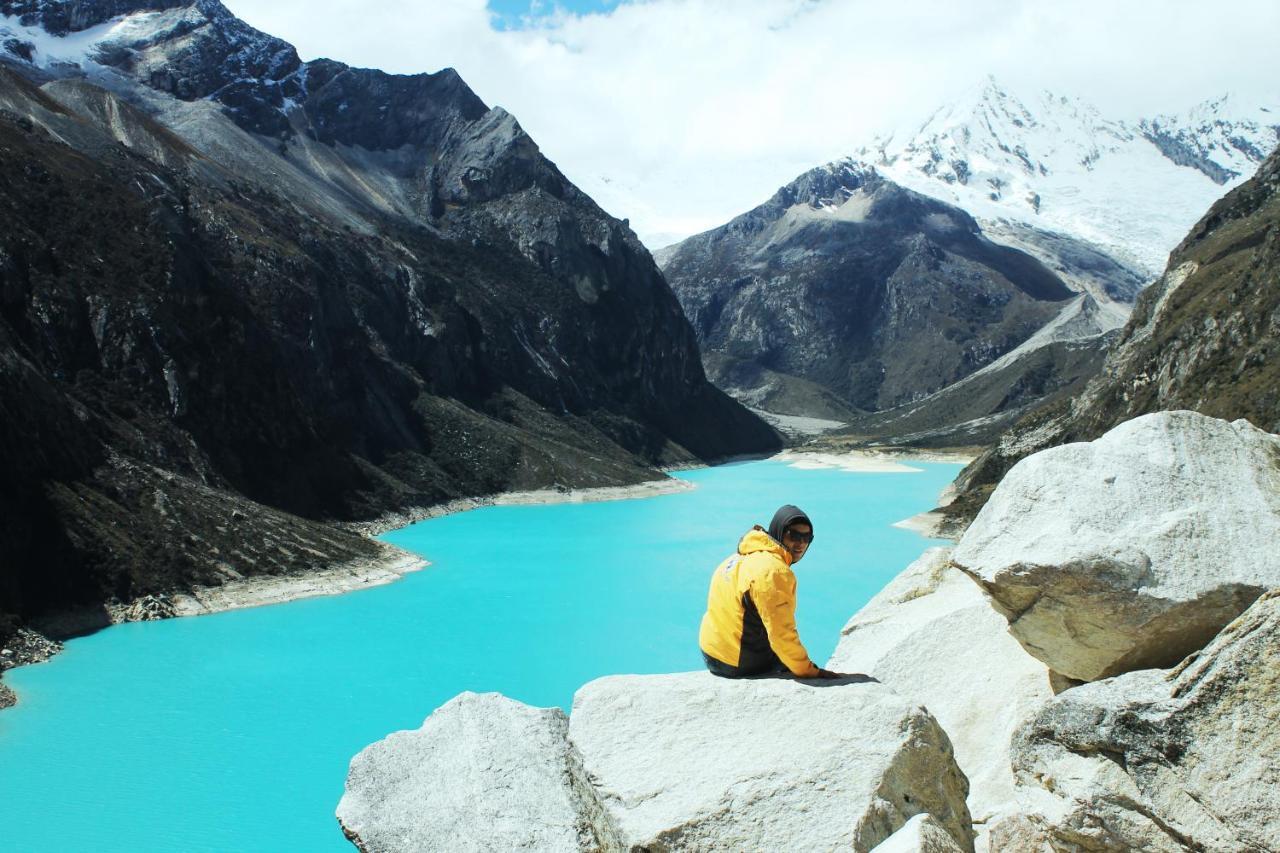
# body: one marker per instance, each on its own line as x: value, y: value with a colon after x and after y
x: 932, y: 524
x: 393, y: 563
x: 411, y: 515
x: 388, y: 566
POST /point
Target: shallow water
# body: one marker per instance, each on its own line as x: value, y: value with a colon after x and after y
x: 233, y: 731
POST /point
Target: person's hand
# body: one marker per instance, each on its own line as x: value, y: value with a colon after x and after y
x: 826, y: 673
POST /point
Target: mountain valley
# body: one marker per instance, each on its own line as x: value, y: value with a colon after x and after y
x: 807, y: 307
x: 236, y: 305
x: 1202, y: 338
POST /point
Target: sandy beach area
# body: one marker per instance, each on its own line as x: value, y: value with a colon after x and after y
x: 403, y: 518
x: 393, y: 564
x: 870, y: 461
x: 929, y: 524
x: 859, y: 462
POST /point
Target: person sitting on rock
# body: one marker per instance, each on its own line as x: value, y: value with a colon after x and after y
x: 750, y: 624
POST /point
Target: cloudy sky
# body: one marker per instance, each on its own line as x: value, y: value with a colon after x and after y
x: 680, y: 114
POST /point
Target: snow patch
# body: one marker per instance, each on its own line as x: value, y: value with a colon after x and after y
x: 1083, y: 318
x: 1057, y: 164
x: 857, y: 461
x: 78, y: 48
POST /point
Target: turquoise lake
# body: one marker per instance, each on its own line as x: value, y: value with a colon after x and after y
x: 232, y: 732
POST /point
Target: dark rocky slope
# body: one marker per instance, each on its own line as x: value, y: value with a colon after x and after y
x: 1055, y: 363
x: 1204, y: 337
x: 877, y: 295
x: 974, y: 411
x: 227, y: 320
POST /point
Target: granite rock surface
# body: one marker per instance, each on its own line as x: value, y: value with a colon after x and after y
x: 921, y: 834
x: 483, y: 773
x: 1184, y: 759
x: 1134, y: 550
x: 694, y: 762
x: 666, y: 762
x: 933, y: 637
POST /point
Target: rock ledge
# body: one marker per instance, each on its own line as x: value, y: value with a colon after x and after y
x: 1134, y: 550
x: 662, y: 762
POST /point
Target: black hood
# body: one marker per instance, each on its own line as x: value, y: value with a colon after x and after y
x: 785, y: 516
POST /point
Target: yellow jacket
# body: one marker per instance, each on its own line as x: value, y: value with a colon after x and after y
x: 751, y: 609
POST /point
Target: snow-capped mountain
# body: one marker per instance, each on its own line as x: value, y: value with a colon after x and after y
x: 1210, y: 349
x: 1130, y: 186
x: 845, y: 292
x: 190, y: 49
x: 1097, y: 203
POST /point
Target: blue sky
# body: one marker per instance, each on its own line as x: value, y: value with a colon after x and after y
x: 512, y: 14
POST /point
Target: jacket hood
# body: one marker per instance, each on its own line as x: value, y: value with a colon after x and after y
x: 784, y: 516
x: 758, y: 540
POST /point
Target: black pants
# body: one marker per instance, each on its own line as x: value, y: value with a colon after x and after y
x: 724, y: 670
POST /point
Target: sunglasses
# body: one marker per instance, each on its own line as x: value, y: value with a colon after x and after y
x: 796, y: 536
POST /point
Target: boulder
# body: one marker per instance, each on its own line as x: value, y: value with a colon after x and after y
x: 695, y: 762
x: 921, y: 834
x: 933, y: 637
x: 1134, y: 550
x: 483, y: 773
x: 1186, y: 759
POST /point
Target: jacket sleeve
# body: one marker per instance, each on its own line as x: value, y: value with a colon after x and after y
x: 775, y: 598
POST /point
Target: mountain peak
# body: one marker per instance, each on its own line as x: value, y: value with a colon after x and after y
x: 993, y: 92
x: 1057, y: 163
x: 198, y: 49
x: 61, y: 18
x: 828, y: 184
x: 1223, y: 137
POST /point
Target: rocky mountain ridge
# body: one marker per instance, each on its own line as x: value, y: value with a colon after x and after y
x: 1094, y: 201
x: 846, y: 296
x: 1131, y: 186
x: 1051, y: 365
x: 236, y: 307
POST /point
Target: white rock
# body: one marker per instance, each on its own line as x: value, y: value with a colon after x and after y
x: 933, y: 637
x: 1133, y: 550
x: 1187, y: 759
x: 921, y: 834
x: 695, y: 762
x: 483, y: 773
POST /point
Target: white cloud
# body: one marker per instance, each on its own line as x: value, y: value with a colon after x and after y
x: 680, y: 114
